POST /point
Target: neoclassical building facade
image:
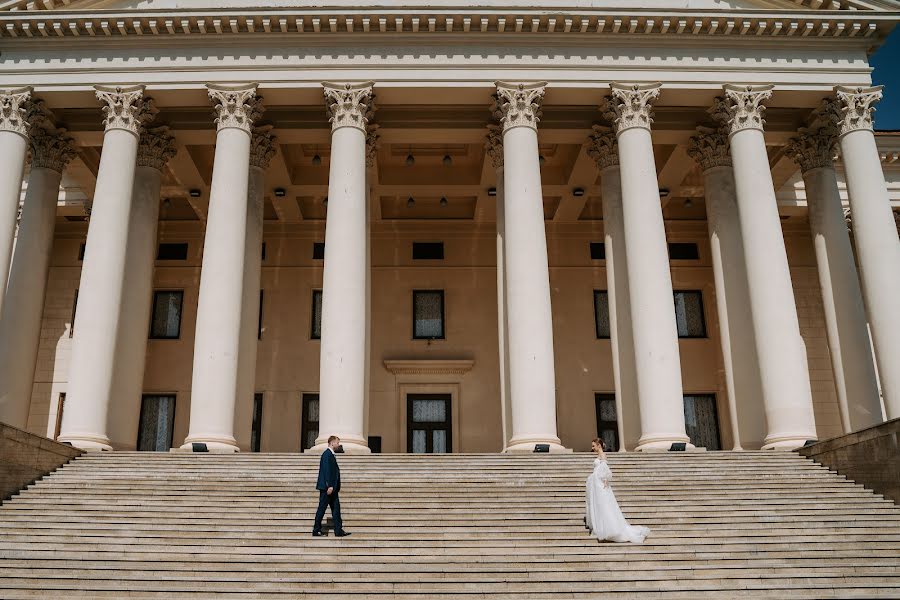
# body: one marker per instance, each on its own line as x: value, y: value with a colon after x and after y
x: 446, y: 227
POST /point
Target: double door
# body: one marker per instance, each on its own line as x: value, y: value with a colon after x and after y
x: 428, y: 424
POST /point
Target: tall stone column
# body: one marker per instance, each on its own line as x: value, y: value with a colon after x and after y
x: 604, y: 149
x: 710, y: 150
x: 532, y: 375
x: 655, y: 332
x: 155, y: 149
x: 342, y: 379
x: 220, y: 308
x: 15, y: 106
x: 20, y: 317
x: 494, y: 147
x: 875, y: 232
x: 845, y: 315
x: 98, y: 320
x: 779, y: 347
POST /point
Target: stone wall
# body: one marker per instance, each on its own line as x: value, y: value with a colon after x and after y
x: 870, y: 457
x: 25, y: 457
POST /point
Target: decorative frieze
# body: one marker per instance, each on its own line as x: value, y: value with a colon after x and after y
x: 262, y: 147
x: 14, y: 110
x: 710, y: 148
x: 855, y: 106
x: 742, y: 107
x: 51, y: 149
x: 603, y: 147
x: 519, y: 104
x: 156, y: 147
x: 349, y: 104
x: 631, y: 105
x: 237, y: 107
x: 493, y: 145
x: 125, y: 108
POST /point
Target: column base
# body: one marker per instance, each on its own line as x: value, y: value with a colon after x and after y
x: 662, y: 442
x: 214, y: 443
x: 787, y: 441
x: 350, y: 444
x: 86, y: 441
x: 525, y: 445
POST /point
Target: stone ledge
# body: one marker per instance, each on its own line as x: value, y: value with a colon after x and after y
x: 25, y: 457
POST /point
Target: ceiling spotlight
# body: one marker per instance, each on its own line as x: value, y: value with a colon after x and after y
x: 447, y: 160
x: 688, y: 203
x: 410, y: 160
x: 578, y: 192
x: 280, y: 192
x: 492, y: 191
x: 410, y: 202
x: 195, y: 193
x: 167, y: 203
x: 317, y: 160
x: 443, y: 201
x: 541, y: 160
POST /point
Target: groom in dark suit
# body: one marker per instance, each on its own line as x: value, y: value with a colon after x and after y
x: 329, y: 484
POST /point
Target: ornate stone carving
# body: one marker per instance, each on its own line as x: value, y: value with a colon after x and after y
x: 854, y: 107
x: 51, y: 149
x: 237, y: 107
x: 262, y: 147
x: 125, y: 108
x: 493, y: 145
x: 519, y: 104
x: 373, y: 143
x: 603, y: 147
x: 156, y: 147
x: 14, y: 110
x: 631, y: 105
x: 742, y: 107
x: 710, y: 148
x: 349, y: 104
x: 812, y: 149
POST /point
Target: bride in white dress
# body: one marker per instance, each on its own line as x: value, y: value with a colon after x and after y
x: 603, y: 517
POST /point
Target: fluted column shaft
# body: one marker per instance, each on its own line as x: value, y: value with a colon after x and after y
x: 98, y: 319
x: 20, y: 317
x: 532, y: 383
x: 342, y: 379
x: 220, y: 308
x: 654, y: 330
x: 875, y: 233
x: 784, y: 373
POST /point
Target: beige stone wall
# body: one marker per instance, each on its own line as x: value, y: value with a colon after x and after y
x: 288, y: 360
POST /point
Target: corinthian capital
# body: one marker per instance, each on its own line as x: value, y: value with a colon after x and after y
x: 519, y: 104
x: 603, y: 147
x: 14, y: 109
x: 812, y: 149
x: 262, y: 147
x: 855, y: 107
x: 156, y: 147
x: 631, y: 105
x: 710, y: 148
x: 125, y: 107
x: 493, y: 145
x: 236, y: 106
x: 51, y: 149
x: 349, y: 104
x: 373, y: 143
x: 742, y: 107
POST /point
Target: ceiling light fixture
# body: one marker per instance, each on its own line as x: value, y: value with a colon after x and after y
x: 195, y: 193
x: 541, y: 160
x: 280, y: 192
x: 443, y: 201
x: 663, y: 192
x: 688, y: 203
x: 447, y: 160
x: 410, y: 160
x: 578, y: 192
x: 317, y: 160
x: 410, y: 202
x: 492, y: 191
x: 325, y: 201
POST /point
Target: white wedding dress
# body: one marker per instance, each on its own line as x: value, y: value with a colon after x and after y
x: 604, y: 518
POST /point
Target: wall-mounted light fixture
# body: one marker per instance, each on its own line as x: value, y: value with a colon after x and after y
x: 195, y: 193
x: 492, y: 191
x: 578, y: 192
x: 280, y: 192
x: 663, y: 192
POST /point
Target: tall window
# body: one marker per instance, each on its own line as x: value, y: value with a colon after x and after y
x: 256, y: 431
x: 166, y: 323
x: 316, y: 328
x: 259, y: 321
x: 689, y: 314
x: 701, y: 420
x: 157, y: 423
x: 607, y: 420
x: 309, y: 427
x: 601, y: 314
x: 60, y: 406
x: 74, y: 308
x: 428, y: 314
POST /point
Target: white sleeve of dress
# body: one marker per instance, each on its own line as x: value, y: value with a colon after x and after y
x: 605, y: 474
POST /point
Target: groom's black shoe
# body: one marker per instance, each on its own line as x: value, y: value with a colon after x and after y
x: 319, y: 534
x: 342, y: 533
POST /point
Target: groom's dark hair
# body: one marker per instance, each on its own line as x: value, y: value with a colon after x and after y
x: 331, y: 438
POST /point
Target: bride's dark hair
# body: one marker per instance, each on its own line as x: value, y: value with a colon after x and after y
x: 600, y: 443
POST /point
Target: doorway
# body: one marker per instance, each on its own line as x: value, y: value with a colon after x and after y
x: 429, y: 423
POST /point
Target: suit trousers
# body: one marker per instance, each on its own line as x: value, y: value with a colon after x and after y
x: 332, y: 501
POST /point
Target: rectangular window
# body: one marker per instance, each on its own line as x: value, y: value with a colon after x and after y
x: 309, y: 427
x: 157, y: 423
x: 428, y: 314
x: 689, y: 314
x: 601, y: 314
x: 81, y: 248
x: 607, y: 421
x: 168, y: 251
x: 60, y: 406
x: 256, y: 431
x: 316, y: 328
x: 683, y: 251
x: 318, y: 250
x: 701, y: 421
x: 72, y: 320
x: 598, y: 251
x: 428, y: 251
x: 166, y: 323
x: 259, y: 320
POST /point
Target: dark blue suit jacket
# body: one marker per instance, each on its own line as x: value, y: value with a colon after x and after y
x: 329, y: 472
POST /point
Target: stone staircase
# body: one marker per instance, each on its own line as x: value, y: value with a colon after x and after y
x: 725, y: 525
